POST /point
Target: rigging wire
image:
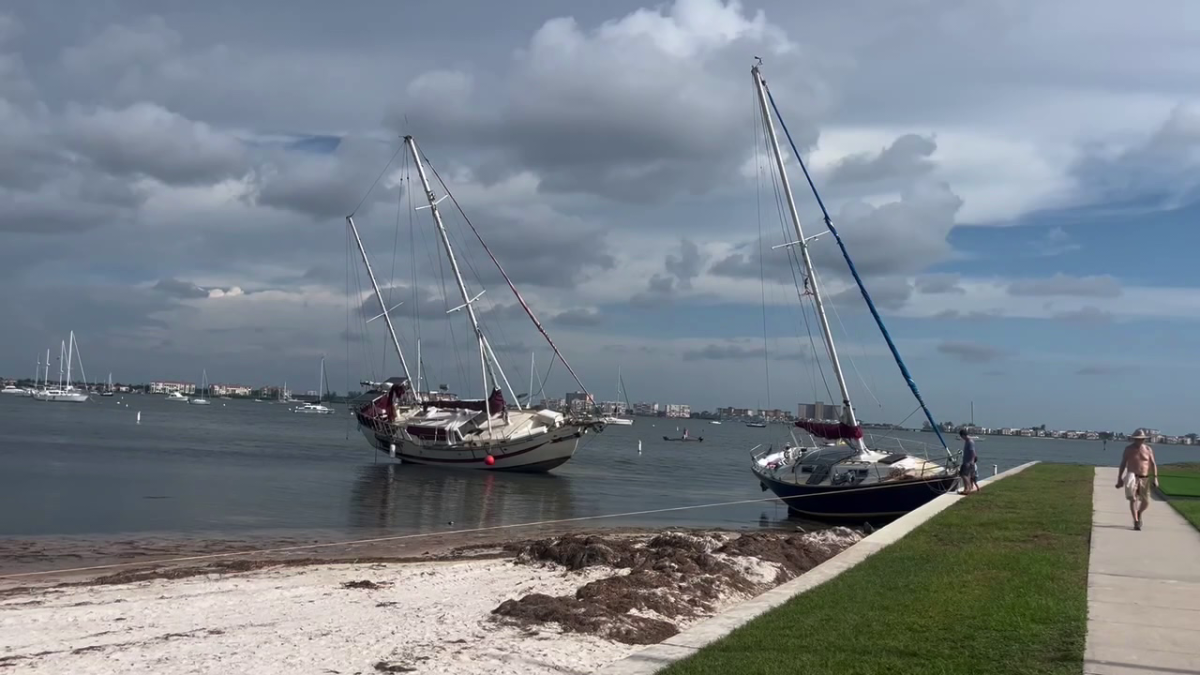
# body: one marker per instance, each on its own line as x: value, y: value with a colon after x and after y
x: 762, y: 279
x: 850, y: 357
x: 377, y: 179
x: 406, y: 185
x: 511, y: 286
x: 441, y: 533
x: 347, y: 335
x: 794, y: 265
x: 912, y: 385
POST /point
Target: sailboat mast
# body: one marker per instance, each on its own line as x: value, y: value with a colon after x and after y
x: 62, y: 354
x: 70, y: 356
x: 387, y: 318
x: 529, y: 399
x: 46, y: 379
x: 848, y: 416
x: 468, y: 301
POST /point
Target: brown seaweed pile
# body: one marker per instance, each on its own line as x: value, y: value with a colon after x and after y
x: 671, y: 577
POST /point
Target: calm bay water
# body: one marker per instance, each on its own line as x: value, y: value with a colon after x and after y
x: 241, y: 468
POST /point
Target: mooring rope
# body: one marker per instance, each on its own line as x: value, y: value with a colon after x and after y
x: 419, y: 535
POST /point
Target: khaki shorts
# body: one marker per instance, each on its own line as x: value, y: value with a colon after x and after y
x: 1138, y: 488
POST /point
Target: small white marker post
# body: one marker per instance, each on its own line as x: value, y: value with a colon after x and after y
x: 139, y: 417
x: 995, y: 469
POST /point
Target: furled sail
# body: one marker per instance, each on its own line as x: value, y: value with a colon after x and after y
x: 831, y: 430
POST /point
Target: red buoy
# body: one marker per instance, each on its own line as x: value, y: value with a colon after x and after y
x: 489, y: 460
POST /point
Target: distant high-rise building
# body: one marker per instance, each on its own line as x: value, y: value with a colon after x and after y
x: 645, y: 409
x: 818, y: 411
x: 579, y: 402
x: 678, y: 410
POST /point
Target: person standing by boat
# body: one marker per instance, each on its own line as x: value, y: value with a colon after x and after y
x: 967, y: 470
x: 1134, y: 475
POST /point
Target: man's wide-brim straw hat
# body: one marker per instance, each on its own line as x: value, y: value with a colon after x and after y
x: 1140, y: 434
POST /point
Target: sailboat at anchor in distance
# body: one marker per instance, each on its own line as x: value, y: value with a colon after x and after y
x: 843, y: 479
x: 486, y: 433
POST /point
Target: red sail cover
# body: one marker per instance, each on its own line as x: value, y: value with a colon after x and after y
x: 831, y: 430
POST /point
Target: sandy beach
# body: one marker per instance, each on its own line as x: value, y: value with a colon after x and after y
x: 563, y: 604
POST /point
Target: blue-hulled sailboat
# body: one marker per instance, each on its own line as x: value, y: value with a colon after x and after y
x: 843, y: 479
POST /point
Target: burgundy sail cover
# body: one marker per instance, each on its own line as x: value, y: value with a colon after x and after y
x: 831, y: 430
x: 382, y: 406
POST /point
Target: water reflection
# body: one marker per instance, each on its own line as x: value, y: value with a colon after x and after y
x: 412, y: 498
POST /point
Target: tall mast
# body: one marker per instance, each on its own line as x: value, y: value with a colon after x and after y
x: 62, y: 354
x: 529, y: 399
x: 486, y: 364
x: 769, y: 124
x: 70, y: 356
x: 46, y: 379
x: 387, y: 318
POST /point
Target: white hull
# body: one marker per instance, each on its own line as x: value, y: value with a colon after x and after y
x: 198, y: 401
x: 14, y: 391
x: 521, y: 445
x: 313, y: 410
x: 59, y: 396
x: 618, y: 421
x: 537, y: 453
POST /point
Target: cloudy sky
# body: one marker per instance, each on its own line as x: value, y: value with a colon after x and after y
x: 1016, y: 180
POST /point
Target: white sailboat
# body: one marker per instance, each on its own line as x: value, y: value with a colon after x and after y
x: 13, y: 390
x: 201, y: 400
x: 617, y: 419
x: 316, y: 408
x: 467, y: 434
x: 108, y: 391
x: 65, y: 391
x: 844, y: 478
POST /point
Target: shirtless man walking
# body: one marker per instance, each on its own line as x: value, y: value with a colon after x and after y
x: 1134, y: 475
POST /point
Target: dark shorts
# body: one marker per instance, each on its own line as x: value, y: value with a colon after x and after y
x: 966, y: 470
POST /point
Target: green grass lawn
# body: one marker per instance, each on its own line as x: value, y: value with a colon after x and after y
x: 1180, y: 483
x: 995, y: 584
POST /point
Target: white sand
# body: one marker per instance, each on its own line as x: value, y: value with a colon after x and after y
x: 301, y: 620
x: 431, y: 617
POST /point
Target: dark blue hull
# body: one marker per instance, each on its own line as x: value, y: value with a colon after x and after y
x: 877, y: 502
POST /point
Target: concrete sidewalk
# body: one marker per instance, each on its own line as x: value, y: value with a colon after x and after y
x: 1143, y: 588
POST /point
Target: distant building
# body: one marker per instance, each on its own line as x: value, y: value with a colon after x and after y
x: 579, y: 402
x: 556, y: 404
x: 645, y: 409
x: 818, y: 411
x: 610, y: 408
x: 678, y: 410
x: 172, y: 387
x: 230, y: 390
